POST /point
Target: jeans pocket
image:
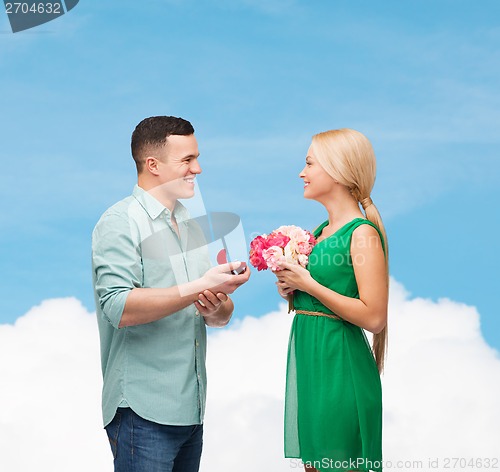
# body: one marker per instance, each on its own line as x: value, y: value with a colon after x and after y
x: 112, y: 430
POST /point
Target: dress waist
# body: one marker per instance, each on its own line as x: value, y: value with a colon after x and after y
x: 317, y: 313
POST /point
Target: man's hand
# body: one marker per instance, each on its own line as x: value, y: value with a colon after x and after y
x: 219, y: 278
x: 214, y: 304
x: 215, y: 308
x: 209, y: 303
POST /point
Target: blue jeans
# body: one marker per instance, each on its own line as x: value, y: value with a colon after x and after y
x: 139, y: 445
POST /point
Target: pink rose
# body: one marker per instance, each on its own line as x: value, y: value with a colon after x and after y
x: 277, y: 239
x: 304, y: 248
x: 256, y: 247
x: 259, y: 244
x: 274, y: 257
x: 258, y: 261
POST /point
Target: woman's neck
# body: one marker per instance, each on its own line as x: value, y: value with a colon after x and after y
x: 341, y: 210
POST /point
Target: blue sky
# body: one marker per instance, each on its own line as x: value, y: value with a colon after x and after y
x: 419, y: 78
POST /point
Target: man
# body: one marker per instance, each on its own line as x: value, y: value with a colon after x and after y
x: 155, y: 292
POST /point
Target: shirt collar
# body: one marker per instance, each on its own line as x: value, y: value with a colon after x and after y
x: 154, y: 208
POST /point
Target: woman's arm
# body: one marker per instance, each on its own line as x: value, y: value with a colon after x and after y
x: 370, y: 310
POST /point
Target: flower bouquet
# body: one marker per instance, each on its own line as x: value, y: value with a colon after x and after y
x: 285, y: 244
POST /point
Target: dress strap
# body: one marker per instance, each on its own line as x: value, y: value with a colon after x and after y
x: 317, y: 313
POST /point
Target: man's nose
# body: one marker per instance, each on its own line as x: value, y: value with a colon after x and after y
x: 195, y: 168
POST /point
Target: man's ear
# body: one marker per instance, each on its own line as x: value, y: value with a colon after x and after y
x: 151, y: 165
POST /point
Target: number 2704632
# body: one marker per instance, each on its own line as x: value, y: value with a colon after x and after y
x: 35, y: 8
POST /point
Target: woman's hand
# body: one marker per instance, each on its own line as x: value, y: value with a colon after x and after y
x: 292, y: 277
x: 283, y: 289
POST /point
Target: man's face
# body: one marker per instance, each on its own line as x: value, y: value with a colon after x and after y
x: 178, y: 166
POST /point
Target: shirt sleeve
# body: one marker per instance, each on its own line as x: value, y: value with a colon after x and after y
x: 116, y: 265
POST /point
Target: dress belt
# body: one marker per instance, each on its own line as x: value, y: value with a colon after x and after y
x: 317, y: 313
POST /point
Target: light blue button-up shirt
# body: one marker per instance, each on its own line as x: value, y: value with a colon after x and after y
x: 158, y: 368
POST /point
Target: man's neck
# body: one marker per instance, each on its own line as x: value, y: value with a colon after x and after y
x: 156, y: 192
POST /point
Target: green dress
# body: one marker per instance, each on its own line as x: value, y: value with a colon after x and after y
x: 333, y: 402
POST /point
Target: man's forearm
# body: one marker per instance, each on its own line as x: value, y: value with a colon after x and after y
x: 145, y: 305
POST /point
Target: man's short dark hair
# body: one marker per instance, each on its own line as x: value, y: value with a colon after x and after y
x: 152, y: 133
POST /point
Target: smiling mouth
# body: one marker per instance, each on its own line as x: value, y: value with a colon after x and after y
x: 189, y: 180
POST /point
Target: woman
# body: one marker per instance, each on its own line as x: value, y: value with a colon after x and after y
x: 333, y: 405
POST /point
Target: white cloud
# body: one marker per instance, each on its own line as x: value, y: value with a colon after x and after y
x: 440, y: 389
x: 50, y: 391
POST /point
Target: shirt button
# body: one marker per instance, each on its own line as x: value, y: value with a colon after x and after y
x: 197, y: 343
x: 197, y: 313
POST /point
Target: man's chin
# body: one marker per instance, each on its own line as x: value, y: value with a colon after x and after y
x: 186, y: 195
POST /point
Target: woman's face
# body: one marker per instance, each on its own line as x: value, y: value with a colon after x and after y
x: 317, y: 182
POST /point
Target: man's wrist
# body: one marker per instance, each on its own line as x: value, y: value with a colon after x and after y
x: 191, y: 290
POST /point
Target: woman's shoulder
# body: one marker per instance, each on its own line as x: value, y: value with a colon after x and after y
x: 364, y: 227
x: 366, y: 234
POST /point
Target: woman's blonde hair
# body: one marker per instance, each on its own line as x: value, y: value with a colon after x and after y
x: 347, y: 156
